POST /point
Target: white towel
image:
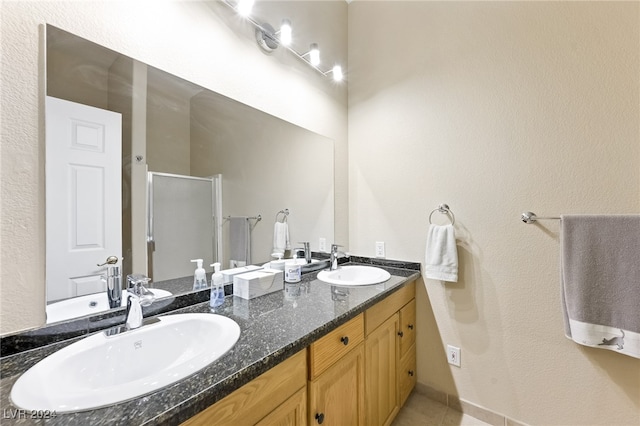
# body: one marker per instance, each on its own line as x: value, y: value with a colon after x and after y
x: 281, y: 238
x: 441, y: 260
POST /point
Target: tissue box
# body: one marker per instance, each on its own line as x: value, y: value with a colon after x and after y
x: 228, y: 274
x: 258, y: 283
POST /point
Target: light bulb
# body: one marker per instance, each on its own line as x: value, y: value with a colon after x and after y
x: 314, y: 55
x: 244, y: 7
x: 285, y: 32
x: 337, y: 73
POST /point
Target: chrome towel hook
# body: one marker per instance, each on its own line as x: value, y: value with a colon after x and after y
x: 444, y: 209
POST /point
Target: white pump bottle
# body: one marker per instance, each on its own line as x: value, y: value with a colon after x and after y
x: 217, y: 286
x: 199, y: 276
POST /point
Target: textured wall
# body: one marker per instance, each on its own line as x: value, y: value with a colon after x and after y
x: 203, y: 42
x: 497, y: 108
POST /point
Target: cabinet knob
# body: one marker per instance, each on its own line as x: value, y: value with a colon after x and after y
x: 320, y: 418
x: 411, y: 373
x: 400, y: 333
x: 410, y: 326
x: 345, y: 340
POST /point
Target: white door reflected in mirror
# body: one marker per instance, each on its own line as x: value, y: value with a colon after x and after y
x: 83, y: 196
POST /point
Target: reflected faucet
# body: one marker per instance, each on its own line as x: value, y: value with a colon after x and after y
x: 113, y: 281
x: 335, y: 255
x: 307, y: 251
x: 138, y: 297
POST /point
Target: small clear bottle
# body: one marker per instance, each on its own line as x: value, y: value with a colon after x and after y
x: 217, y: 287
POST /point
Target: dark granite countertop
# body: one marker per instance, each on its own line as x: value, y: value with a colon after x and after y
x: 273, y: 327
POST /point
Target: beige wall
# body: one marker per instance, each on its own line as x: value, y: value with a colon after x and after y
x: 497, y: 108
x: 203, y: 42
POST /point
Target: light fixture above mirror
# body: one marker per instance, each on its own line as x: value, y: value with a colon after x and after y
x: 269, y: 39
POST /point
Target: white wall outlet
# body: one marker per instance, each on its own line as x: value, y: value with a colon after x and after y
x: 322, y: 245
x: 453, y: 355
x: 379, y: 248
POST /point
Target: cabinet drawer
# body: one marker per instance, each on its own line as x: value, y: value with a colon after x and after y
x: 407, y: 375
x: 256, y: 399
x: 407, y: 327
x: 327, y: 350
x: 378, y: 313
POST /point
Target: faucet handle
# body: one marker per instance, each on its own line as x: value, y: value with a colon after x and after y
x: 135, y: 279
x: 136, y: 286
x: 334, y: 247
x: 136, y: 283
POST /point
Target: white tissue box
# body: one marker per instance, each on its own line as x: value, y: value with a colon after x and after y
x: 228, y: 274
x: 258, y: 283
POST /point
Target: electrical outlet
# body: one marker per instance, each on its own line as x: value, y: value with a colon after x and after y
x: 379, y: 248
x: 322, y: 246
x: 453, y: 355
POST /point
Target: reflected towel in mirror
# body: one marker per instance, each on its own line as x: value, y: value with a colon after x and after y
x: 281, y: 238
x: 239, y: 241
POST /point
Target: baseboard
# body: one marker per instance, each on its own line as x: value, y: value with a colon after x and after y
x: 466, y: 407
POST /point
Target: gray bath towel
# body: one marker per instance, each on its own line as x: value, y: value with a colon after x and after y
x: 239, y: 241
x: 601, y: 281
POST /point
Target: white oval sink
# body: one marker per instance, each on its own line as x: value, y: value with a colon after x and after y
x: 88, y: 304
x: 101, y: 370
x: 354, y: 275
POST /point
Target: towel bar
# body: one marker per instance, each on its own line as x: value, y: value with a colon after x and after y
x: 444, y: 209
x: 530, y: 217
x: 256, y: 218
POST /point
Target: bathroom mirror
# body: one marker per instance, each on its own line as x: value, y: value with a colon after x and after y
x: 174, y: 127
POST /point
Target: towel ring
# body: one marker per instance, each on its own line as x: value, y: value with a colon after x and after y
x: 444, y: 209
x: 285, y: 214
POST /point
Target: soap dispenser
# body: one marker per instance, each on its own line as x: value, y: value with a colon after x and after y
x: 217, y: 287
x: 199, y: 276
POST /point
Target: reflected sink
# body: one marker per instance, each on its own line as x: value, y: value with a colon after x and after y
x: 88, y: 304
x: 354, y: 275
x: 101, y: 370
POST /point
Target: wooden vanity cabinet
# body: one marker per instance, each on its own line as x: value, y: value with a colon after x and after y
x: 336, y: 376
x: 359, y: 374
x: 390, y: 361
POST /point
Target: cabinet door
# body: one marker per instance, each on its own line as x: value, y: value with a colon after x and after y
x: 407, y: 327
x: 336, y: 397
x: 381, y: 395
x: 407, y: 375
x: 292, y: 412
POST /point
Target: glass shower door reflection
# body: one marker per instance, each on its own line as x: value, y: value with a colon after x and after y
x: 182, y: 224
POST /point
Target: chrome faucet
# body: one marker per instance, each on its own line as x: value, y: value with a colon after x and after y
x: 335, y: 254
x: 138, y: 296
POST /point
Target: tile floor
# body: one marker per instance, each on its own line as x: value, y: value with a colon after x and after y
x: 422, y: 411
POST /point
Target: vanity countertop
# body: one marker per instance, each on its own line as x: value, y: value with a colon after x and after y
x: 273, y: 327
